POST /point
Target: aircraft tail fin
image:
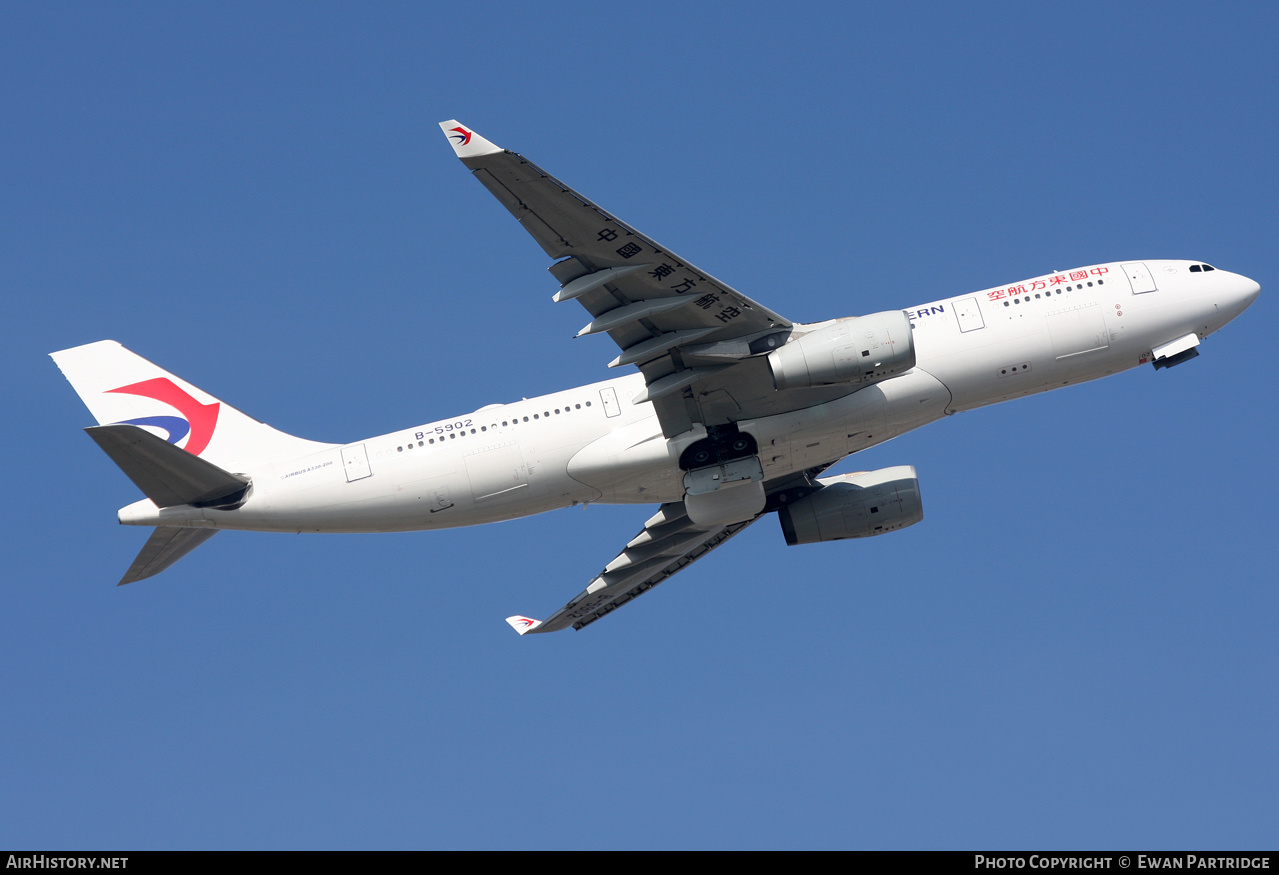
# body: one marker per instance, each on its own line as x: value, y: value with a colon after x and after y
x: 121, y: 387
x: 166, y: 545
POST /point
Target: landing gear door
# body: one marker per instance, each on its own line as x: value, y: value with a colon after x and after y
x: 356, y: 462
x: 1139, y: 278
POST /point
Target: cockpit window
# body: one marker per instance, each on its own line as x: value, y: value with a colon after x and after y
x: 1196, y: 268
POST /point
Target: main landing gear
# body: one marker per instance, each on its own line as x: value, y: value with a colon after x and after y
x: 724, y: 479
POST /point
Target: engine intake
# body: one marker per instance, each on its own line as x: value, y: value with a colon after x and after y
x: 864, y: 349
x: 855, y: 506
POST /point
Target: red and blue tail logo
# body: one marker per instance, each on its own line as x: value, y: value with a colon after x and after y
x: 197, y: 419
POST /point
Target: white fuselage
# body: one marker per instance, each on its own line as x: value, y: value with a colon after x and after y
x: 592, y: 444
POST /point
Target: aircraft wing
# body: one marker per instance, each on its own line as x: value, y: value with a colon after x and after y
x: 687, y: 331
x: 668, y: 543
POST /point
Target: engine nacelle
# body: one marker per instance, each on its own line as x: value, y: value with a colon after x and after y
x: 854, y: 506
x: 865, y: 349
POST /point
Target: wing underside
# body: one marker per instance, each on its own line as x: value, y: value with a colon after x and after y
x: 668, y: 543
x: 682, y: 327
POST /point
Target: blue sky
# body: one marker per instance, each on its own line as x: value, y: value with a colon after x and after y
x: 1075, y: 648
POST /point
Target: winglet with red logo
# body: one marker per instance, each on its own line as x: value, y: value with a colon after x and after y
x: 467, y: 143
x: 523, y: 625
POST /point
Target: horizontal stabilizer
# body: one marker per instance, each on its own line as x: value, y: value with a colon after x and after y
x: 166, y: 545
x: 167, y: 475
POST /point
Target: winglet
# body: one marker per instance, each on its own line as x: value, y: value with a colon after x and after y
x: 523, y: 625
x: 467, y: 143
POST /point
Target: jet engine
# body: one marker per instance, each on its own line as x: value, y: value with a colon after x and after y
x: 864, y: 349
x: 854, y: 506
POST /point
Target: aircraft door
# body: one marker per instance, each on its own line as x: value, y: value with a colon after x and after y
x: 1139, y: 278
x: 968, y: 314
x: 608, y: 397
x: 355, y: 459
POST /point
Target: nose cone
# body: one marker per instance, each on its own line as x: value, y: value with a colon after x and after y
x: 1237, y: 296
x: 1245, y: 292
x: 1251, y: 290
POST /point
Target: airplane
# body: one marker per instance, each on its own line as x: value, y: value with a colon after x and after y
x: 733, y: 414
